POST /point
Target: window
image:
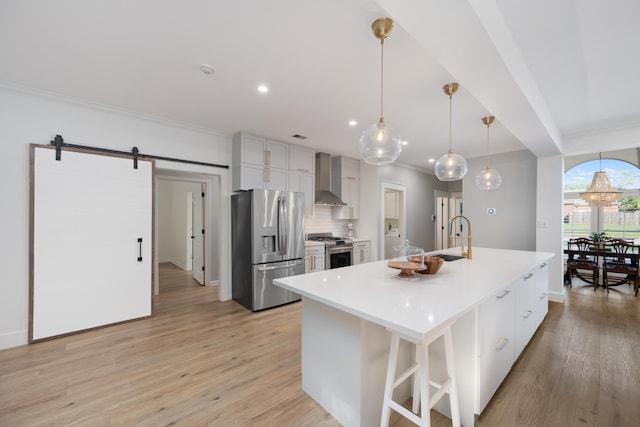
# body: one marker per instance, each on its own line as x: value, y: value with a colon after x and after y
x: 621, y: 219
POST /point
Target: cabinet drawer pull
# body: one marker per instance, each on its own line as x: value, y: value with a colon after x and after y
x: 503, y: 344
x: 303, y: 170
x: 543, y: 296
x: 503, y: 294
x: 543, y: 265
x: 529, y: 313
x: 528, y: 276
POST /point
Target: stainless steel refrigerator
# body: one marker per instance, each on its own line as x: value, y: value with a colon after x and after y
x: 267, y: 242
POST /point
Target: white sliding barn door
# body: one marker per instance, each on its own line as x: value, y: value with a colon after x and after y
x: 88, y: 267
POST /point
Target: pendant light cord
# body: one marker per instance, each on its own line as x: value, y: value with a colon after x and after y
x: 450, y: 123
x: 488, y: 124
x: 600, y: 155
x: 381, y: 79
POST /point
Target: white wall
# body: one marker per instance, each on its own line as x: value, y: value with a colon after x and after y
x: 29, y: 118
x: 172, y: 201
x: 513, y: 224
x: 420, y: 201
x: 549, y: 215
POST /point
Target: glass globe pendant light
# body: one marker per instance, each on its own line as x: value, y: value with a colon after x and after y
x: 451, y: 166
x: 488, y: 179
x: 380, y: 144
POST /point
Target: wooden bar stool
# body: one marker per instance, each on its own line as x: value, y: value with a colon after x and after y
x: 421, y: 380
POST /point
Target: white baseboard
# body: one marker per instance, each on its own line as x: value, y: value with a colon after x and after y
x: 14, y: 339
x: 557, y: 296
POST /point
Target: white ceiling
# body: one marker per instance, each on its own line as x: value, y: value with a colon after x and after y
x: 560, y: 76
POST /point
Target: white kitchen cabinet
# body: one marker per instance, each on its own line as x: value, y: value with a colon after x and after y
x: 506, y: 324
x: 531, y: 305
x: 314, y: 258
x: 496, y: 342
x: 260, y: 177
x: 259, y: 163
x: 361, y: 253
x: 345, y: 178
x: 391, y: 204
x: 302, y: 160
x: 305, y: 183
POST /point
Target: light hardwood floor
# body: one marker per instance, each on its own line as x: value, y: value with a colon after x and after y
x: 199, y: 361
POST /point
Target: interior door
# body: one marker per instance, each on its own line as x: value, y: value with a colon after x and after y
x: 197, y: 242
x: 442, y: 220
x: 448, y: 205
x: 91, y: 241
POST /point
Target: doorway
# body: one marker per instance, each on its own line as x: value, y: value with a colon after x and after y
x: 393, y: 218
x: 187, y: 232
x: 448, y: 205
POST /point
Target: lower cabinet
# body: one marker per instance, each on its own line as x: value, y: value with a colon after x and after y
x: 361, y: 253
x: 496, y: 342
x: 532, y: 304
x: 314, y: 258
x: 506, y: 324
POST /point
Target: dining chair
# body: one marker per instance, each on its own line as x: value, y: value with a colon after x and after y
x: 621, y: 264
x: 583, y: 261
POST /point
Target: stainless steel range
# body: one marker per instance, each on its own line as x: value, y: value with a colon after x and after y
x: 338, y: 251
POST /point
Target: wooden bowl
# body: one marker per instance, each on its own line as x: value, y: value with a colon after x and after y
x: 432, y: 263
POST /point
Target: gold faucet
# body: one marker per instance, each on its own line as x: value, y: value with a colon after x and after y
x: 451, y: 238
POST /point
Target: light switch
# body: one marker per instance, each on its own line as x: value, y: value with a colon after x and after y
x: 542, y: 223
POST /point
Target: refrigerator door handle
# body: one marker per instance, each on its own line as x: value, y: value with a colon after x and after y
x: 277, y: 267
x: 282, y: 225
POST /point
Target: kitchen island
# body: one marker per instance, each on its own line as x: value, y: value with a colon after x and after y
x: 496, y: 301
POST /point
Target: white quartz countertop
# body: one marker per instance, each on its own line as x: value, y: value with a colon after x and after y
x: 415, y: 308
x: 308, y: 243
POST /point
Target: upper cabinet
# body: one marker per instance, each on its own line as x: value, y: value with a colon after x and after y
x: 305, y: 183
x: 259, y: 163
x: 345, y: 179
x: 263, y: 163
x: 302, y: 159
x: 391, y: 204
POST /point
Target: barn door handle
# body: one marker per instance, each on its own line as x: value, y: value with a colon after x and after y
x: 140, y: 243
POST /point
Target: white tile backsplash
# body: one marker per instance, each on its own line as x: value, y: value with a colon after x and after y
x: 321, y: 222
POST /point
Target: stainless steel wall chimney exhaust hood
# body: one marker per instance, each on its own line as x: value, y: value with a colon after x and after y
x: 324, y: 196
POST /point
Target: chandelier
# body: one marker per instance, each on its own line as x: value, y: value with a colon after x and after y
x: 601, y: 192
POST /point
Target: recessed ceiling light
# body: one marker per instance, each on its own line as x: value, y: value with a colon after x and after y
x: 405, y: 142
x: 352, y: 123
x: 206, y: 69
x: 432, y: 160
x: 263, y: 88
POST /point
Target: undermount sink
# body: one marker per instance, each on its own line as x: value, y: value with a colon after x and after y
x: 447, y: 257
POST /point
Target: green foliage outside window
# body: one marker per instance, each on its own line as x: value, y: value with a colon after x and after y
x: 629, y: 204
